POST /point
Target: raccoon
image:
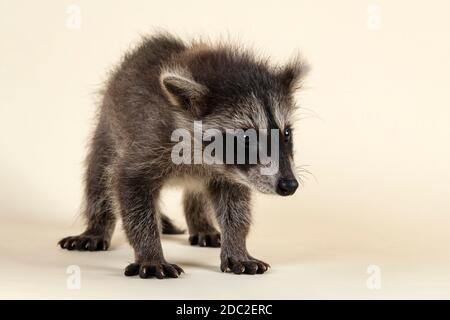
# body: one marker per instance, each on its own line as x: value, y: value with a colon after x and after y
x: 162, y: 85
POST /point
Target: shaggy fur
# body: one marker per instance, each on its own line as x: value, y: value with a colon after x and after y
x: 162, y: 85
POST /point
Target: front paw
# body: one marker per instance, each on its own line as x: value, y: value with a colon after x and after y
x: 205, y: 239
x: 246, y: 265
x: 150, y: 269
x: 85, y: 242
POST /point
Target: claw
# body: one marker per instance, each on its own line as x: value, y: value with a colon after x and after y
x: 150, y: 270
x: 84, y: 243
x: 248, y: 266
x: 205, y: 239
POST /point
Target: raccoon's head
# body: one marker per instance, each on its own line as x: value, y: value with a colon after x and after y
x: 242, y: 100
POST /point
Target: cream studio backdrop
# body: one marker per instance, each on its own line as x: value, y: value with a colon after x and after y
x: 374, y: 221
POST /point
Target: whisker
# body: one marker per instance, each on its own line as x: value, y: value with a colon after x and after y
x: 309, y: 111
x: 304, y: 173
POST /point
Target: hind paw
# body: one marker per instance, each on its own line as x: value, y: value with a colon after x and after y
x: 205, y: 239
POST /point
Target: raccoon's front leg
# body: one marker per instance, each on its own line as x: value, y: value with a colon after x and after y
x: 137, y: 196
x: 232, y: 205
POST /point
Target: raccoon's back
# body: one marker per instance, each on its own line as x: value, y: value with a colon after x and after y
x: 139, y: 70
x: 133, y: 96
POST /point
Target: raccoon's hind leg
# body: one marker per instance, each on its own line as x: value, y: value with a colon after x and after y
x: 168, y: 226
x: 98, y: 211
x: 198, y: 211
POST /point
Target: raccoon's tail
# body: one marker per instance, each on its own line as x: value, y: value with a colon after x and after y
x: 168, y: 227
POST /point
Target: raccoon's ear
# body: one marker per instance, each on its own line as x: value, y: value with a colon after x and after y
x: 292, y: 74
x: 181, y: 89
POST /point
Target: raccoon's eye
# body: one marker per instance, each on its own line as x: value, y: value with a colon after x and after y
x: 287, y: 134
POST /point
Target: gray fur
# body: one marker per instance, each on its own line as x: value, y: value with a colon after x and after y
x: 162, y: 85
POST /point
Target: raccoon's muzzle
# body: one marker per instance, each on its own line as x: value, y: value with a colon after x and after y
x: 287, y: 187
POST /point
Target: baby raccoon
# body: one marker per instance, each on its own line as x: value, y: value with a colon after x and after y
x: 165, y: 85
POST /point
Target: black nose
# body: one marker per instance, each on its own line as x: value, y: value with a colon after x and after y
x: 287, y: 187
